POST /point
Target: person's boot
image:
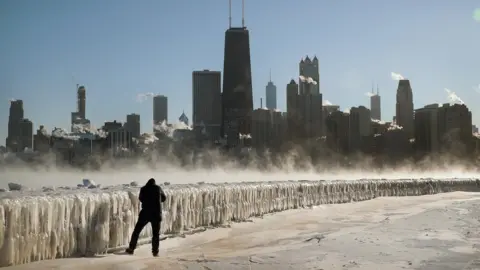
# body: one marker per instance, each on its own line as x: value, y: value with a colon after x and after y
x: 155, y: 253
x: 129, y: 251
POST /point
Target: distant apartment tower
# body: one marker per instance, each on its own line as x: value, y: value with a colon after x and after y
x: 310, y: 69
x: 304, y: 111
x: 267, y: 128
x: 271, y: 95
x: 133, y: 125
x: 447, y: 127
x: 237, y: 97
x: 364, y: 119
x: 160, y: 109
x: 207, y: 103
x: 404, y: 107
x: 78, y: 118
x: 20, y: 129
x: 326, y: 111
x: 426, y: 129
x: 375, y: 106
x: 455, y: 128
x: 81, y: 101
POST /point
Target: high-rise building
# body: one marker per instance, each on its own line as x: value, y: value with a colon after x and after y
x: 310, y: 69
x: 133, y: 125
x: 20, y: 129
x: 207, y: 103
x: 375, y: 106
x: 455, y: 128
x: 426, y: 129
x: 404, y: 107
x: 364, y: 118
x: 267, y: 128
x: 447, y: 127
x: 304, y: 110
x: 271, y: 94
x: 160, y: 109
x: 81, y: 101
x: 78, y: 118
x: 183, y: 118
x: 237, y: 98
x: 293, y: 121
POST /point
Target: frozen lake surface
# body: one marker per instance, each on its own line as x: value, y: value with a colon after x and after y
x: 434, y: 232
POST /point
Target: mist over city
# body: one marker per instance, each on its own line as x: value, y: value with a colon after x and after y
x: 340, y: 137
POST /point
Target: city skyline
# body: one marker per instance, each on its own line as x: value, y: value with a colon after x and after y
x: 49, y: 93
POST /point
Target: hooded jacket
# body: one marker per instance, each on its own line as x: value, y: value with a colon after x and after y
x: 151, y: 196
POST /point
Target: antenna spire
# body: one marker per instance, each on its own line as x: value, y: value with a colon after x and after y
x: 243, y: 13
x: 270, y: 78
x: 378, y: 91
x: 229, y: 13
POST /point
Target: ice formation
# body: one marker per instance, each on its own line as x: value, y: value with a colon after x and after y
x: 63, y: 223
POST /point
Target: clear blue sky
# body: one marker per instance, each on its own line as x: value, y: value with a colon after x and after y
x: 119, y: 48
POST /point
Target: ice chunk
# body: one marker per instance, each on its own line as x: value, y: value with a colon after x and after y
x: 14, y: 187
x: 86, y: 221
x: 88, y: 182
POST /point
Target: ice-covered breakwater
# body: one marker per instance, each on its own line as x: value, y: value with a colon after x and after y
x: 91, y: 221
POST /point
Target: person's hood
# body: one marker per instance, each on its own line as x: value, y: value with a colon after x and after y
x: 151, y: 182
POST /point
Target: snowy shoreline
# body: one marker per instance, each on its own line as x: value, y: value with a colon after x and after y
x: 58, y: 224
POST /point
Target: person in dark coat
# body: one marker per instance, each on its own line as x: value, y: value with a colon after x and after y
x: 151, y: 196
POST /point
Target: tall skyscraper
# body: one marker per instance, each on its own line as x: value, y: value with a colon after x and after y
x: 81, y: 101
x: 271, y: 94
x: 404, y: 107
x: 426, y: 129
x: 14, y: 117
x: 304, y: 110
x: 78, y: 118
x: 237, y: 98
x: 375, y: 106
x: 310, y: 69
x: 293, y: 121
x: 133, y: 125
x: 207, y: 103
x: 20, y: 129
x: 160, y: 109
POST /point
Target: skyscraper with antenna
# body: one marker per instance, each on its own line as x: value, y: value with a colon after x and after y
x: 237, y: 98
x: 271, y: 94
x: 375, y: 105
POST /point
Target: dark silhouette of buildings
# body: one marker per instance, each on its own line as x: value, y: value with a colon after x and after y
x: 237, y: 98
x: 271, y: 94
x: 310, y: 69
x: 207, y: 104
x: 160, y: 109
x: 20, y: 129
x: 78, y: 118
x: 133, y: 125
x: 404, y: 107
x: 304, y: 110
x: 268, y: 128
x: 81, y: 101
x: 375, y: 106
x: 444, y: 128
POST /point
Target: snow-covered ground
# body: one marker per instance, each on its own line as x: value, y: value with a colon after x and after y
x: 436, y: 232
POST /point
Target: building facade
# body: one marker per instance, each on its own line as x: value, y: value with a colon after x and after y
x: 404, y: 107
x: 376, y: 107
x: 207, y: 104
x: 310, y: 69
x: 132, y: 124
x: 237, y: 97
x: 160, y: 109
x: 271, y: 95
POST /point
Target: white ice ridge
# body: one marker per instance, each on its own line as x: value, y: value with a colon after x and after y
x: 59, y: 225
